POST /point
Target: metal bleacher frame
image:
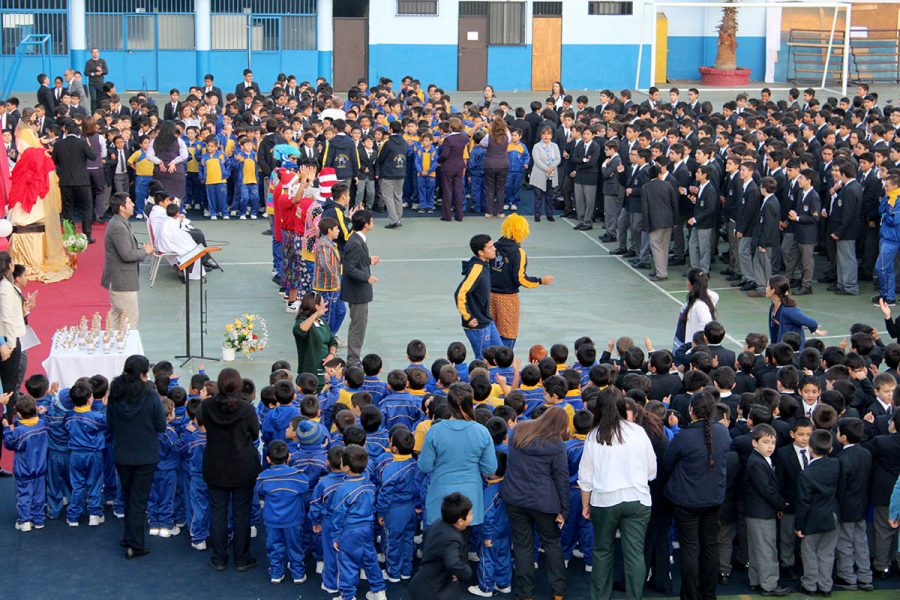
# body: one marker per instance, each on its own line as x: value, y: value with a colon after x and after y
x: 41, y: 41
x: 874, y: 55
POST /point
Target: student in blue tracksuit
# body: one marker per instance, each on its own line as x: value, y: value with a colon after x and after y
x: 309, y: 455
x: 518, y: 164
x: 353, y: 527
x: 890, y: 238
x: 531, y: 388
x: 577, y: 531
x: 371, y: 364
x: 320, y: 515
x: 100, y: 386
x: 57, y: 486
x: 400, y: 407
x: 193, y: 449
x: 279, y: 418
x: 425, y: 155
x: 475, y: 172
x: 161, y: 504
x: 281, y: 489
x: 87, y: 440
x: 398, y: 504
x: 495, y: 551
x: 378, y: 440
x: 28, y: 438
x: 182, y: 505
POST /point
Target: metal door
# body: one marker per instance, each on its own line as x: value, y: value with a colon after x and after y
x: 472, y: 53
x: 351, y: 51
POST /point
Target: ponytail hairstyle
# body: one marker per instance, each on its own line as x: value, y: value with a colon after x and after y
x: 699, y: 290
x: 230, y: 384
x: 609, y: 414
x: 130, y: 385
x: 703, y: 407
x: 460, y: 399
x: 781, y: 287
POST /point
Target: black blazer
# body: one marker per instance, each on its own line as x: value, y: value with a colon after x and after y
x: 843, y: 220
x: 761, y: 496
x: 357, y: 267
x: 705, y: 209
x: 748, y: 210
x: 71, y: 155
x: 659, y: 205
x: 733, y: 472
x: 172, y: 114
x: 853, y: 485
x: 586, y: 163
x: 817, y: 506
x: 442, y: 559
x: 665, y: 384
x: 885, y: 451
x: 726, y: 357
x: 787, y: 472
x: 743, y: 382
x: 766, y: 232
x: 808, y: 211
x: 242, y: 87
x: 45, y: 99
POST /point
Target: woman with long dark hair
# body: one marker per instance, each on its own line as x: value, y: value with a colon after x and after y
x: 230, y: 466
x: 616, y: 469
x: 135, y: 418
x: 170, y: 154
x: 536, y: 492
x: 784, y: 315
x: 315, y: 342
x: 496, y: 165
x: 90, y: 131
x: 12, y: 328
x: 699, y: 309
x: 557, y: 92
x: 696, y: 461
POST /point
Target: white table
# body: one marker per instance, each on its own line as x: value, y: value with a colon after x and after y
x: 66, y: 366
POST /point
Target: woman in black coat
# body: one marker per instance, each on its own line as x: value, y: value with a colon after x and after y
x: 135, y: 418
x: 230, y: 466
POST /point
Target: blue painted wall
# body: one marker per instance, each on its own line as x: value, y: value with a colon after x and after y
x: 686, y: 54
x: 227, y: 65
x: 26, y: 76
x: 588, y: 66
x: 509, y: 67
x: 429, y: 63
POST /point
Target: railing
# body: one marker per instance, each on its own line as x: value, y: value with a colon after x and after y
x: 30, y: 45
x: 874, y: 55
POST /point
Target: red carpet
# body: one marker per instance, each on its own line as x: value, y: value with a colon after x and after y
x: 62, y: 304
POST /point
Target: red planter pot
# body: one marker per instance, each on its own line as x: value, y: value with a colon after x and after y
x: 711, y: 76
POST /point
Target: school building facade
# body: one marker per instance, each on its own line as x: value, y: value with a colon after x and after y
x: 510, y: 44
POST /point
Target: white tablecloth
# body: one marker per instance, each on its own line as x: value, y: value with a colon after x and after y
x: 66, y: 366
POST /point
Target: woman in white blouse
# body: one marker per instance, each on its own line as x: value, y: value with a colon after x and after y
x: 699, y: 309
x: 614, y: 476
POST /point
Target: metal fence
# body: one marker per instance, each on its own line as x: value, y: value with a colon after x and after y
x: 140, y: 24
x: 264, y: 25
x: 21, y: 18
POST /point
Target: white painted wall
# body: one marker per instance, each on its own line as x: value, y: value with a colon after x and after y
x: 385, y: 27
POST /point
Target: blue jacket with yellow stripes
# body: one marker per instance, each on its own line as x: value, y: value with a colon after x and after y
x: 508, y: 268
x: 473, y: 295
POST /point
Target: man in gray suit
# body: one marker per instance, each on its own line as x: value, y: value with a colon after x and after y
x: 356, y: 282
x: 120, y: 266
x: 75, y: 86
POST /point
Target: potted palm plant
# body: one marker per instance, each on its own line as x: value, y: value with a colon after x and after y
x: 726, y: 73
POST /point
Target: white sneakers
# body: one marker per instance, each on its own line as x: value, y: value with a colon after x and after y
x: 24, y: 527
x: 477, y: 591
x: 292, y: 307
x: 154, y: 531
x: 72, y: 523
x: 279, y: 580
x: 253, y: 531
x: 503, y: 590
x: 389, y: 578
x: 474, y: 557
x: 300, y: 580
x: 199, y: 546
x: 376, y: 595
x: 320, y: 566
x: 95, y: 520
x: 164, y: 532
x: 119, y: 515
x: 253, y: 217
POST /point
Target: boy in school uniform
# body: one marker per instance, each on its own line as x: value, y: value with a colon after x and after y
x: 762, y: 505
x: 281, y: 489
x: 214, y: 173
x: 766, y: 235
x: 143, y: 175
x: 377, y: 437
x: 398, y: 504
x: 475, y: 172
x: 28, y: 438
x: 816, y: 515
x: 320, y: 512
x: 279, y: 418
x: 160, y: 507
x: 790, y: 461
x: 885, y: 451
x: 519, y: 158
x: 352, y: 527
x: 425, y: 156
x: 365, y: 187
x: 57, y: 486
x: 371, y: 364
x: 495, y: 551
x: 86, y: 442
x: 854, y: 568
x: 400, y: 407
x: 193, y: 188
x: 531, y: 388
x: 246, y: 202
x: 193, y: 447
x: 577, y: 531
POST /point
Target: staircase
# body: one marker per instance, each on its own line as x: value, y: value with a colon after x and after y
x: 874, y: 56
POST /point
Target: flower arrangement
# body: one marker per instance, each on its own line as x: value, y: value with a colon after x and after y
x: 74, y: 242
x: 247, y: 334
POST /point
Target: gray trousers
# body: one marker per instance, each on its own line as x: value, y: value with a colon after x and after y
x: 787, y: 541
x: 885, y: 546
x: 745, y: 254
x: 365, y: 193
x: 612, y: 206
x: 725, y: 539
x: 790, y: 254
x: 359, y: 319
x: 846, y: 266
x: 761, y: 545
x: 585, y: 199
x: 701, y: 248
x: 817, y: 552
x: 392, y: 197
x: 852, y: 549
x: 120, y: 183
x: 659, y: 246
x: 762, y: 267
x: 637, y: 226
x: 733, y: 252
x: 623, y: 222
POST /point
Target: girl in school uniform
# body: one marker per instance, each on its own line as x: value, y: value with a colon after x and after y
x: 784, y: 316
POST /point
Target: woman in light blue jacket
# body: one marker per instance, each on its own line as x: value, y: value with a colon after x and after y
x: 457, y: 452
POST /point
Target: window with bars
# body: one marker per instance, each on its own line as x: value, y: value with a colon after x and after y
x: 506, y: 20
x: 418, y: 8
x: 607, y: 7
x: 547, y: 9
x: 21, y: 18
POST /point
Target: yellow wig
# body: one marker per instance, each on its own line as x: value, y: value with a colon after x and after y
x: 516, y: 228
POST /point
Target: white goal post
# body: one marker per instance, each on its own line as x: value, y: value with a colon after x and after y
x: 835, y: 5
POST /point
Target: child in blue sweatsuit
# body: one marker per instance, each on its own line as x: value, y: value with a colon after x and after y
x: 193, y: 447
x: 279, y: 418
x: 87, y: 440
x: 475, y: 173
x: 518, y: 164
x: 281, y: 489
x: 28, y: 439
x: 400, y: 407
x: 320, y: 515
x: 378, y: 440
x: 577, y: 531
x: 182, y: 503
x: 49, y: 401
x: 309, y: 455
x: 495, y: 551
x: 161, y: 504
x: 398, y: 505
x: 371, y: 364
x: 426, y: 155
x: 353, y: 527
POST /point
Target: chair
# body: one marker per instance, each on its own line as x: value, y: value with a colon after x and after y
x: 157, y: 256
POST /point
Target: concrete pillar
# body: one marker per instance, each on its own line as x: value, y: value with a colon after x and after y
x: 203, y: 36
x: 325, y: 37
x: 77, y: 33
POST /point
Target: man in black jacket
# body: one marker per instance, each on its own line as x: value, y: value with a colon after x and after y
x: 390, y: 170
x: 748, y: 213
x: 805, y: 219
x: 843, y: 227
x: 789, y: 462
x: 885, y: 450
x: 852, y: 548
x: 356, y: 282
x: 659, y: 205
x: 45, y: 94
x: 766, y: 235
x: 71, y: 155
x: 247, y: 84
x: 341, y: 155
x: 703, y: 221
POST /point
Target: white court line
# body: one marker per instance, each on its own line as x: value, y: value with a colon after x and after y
x: 843, y: 335
x: 426, y: 260
x: 647, y: 279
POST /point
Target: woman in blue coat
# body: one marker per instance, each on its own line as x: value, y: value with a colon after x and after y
x: 784, y: 316
x: 457, y: 452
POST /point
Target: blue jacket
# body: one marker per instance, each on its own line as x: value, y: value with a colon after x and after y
x: 419, y: 153
x: 473, y: 295
x: 181, y: 420
x: 496, y: 521
x: 168, y: 450
x: 29, y: 441
x: 281, y: 488
x: 787, y: 319
x: 192, y: 448
x: 276, y: 422
x: 376, y: 387
x: 55, y: 417
x: 402, y: 408
x: 400, y: 482
x: 377, y: 443
x: 691, y: 482
x: 518, y: 157
x: 574, y: 450
x: 319, y: 505
x: 890, y: 218
x: 311, y: 461
x: 537, y: 477
x: 353, y: 505
x: 475, y: 166
x: 86, y: 430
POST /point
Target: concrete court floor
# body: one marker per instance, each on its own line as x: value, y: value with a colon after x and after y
x: 595, y: 294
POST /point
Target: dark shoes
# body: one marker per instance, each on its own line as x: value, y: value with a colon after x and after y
x: 606, y: 238
x: 748, y: 286
x: 844, y: 293
x: 803, y: 291
x: 778, y: 591
x: 4, y: 473
x: 619, y: 252
x: 583, y: 227
x: 392, y: 226
x: 250, y: 564
x: 217, y: 566
x: 92, y: 240
x: 135, y: 553
x: 658, y: 278
x: 551, y: 219
x: 832, y: 288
